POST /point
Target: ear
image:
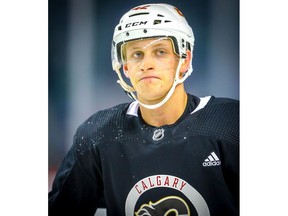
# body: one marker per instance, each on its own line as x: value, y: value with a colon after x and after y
x: 125, y: 70
x: 186, y: 64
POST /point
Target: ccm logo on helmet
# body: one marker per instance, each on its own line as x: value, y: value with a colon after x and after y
x: 135, y: 24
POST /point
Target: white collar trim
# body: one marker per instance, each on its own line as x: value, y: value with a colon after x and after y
x: 203, y: 102
x: 133, y: 109
x: 134, y: 106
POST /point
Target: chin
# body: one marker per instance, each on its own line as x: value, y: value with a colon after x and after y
x: 152, y: 99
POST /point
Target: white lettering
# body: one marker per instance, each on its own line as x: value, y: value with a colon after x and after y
x: 211, y: 163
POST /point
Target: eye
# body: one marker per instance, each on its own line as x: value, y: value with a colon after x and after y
x: 160, y: 52
x: 137, y: 55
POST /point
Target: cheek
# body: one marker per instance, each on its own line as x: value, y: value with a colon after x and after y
x: 169, y: 79
x: 131, y: 71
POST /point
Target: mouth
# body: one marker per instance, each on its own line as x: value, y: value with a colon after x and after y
x: 147, y: 78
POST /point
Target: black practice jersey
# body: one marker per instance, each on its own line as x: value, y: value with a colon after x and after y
x: 188, y: 168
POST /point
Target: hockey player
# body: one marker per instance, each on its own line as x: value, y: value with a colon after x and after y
x: 166, y: 153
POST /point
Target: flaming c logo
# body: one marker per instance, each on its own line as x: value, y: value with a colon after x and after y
x: 175, y: 205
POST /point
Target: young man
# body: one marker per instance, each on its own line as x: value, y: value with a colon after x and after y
x: 168, y: 152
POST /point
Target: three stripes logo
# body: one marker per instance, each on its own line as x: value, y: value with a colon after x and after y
x: 212, y: 160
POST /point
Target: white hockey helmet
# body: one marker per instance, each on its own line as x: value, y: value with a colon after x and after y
x: 150, y: 21
x: 153, y: 20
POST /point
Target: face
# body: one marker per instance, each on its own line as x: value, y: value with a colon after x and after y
x: 150, y: 65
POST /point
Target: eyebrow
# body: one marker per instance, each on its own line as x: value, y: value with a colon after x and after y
x: 131, y: 48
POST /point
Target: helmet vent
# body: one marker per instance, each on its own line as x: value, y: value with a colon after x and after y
x: 160, y: 15
x: 166, y: 21
x: 137, y: 14
x: 156, y: 22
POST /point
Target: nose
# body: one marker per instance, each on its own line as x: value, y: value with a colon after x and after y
x: 147, y: 63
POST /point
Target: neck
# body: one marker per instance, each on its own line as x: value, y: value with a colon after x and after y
x: 169, y: 112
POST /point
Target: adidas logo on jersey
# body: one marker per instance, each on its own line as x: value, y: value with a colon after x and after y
x: 212, y: 160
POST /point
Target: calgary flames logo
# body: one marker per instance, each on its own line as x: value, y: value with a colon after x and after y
x: 165, y: 206
x: 176, y: 204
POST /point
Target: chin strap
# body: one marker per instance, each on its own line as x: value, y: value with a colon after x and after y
x: 129, y: 89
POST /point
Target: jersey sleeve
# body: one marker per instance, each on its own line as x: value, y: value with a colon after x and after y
x: 78, y: 186
x: 230, y: 166
x: 230, y: 146
x: 220, y: 121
